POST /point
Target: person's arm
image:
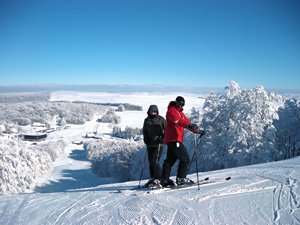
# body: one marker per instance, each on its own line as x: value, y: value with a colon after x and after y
x: 176, y: 118
x: 145, y: 134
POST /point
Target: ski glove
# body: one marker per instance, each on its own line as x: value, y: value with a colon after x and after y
x: 201, y: 132
x: 192, y: 127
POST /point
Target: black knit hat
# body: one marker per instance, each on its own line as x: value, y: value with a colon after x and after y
x: 180, y: 99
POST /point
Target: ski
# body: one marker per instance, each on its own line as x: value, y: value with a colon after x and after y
x: 136, y: 189
x: 201, y: 182
x: 150, y: 188
x: 178, y: 187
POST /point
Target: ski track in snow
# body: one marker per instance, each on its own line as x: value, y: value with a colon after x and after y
x: 70, y: 207
x: 286, y: 201
x: 137, y: 210
x: 286, y: 198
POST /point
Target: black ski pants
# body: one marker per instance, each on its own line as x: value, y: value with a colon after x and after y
x: 176, y: 150
x: 154, y: 154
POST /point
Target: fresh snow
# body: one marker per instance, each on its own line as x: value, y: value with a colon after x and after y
x: 259, y: 194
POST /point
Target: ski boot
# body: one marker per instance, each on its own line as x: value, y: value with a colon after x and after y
x: 184, y: 181
x: 153, y: 183
x: 167, y: 183
x: 149, y: 182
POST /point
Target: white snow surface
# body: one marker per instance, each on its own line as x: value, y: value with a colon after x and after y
x: 133, y: 118
x: 259, y: 194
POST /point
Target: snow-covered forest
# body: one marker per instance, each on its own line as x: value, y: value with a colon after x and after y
x: 37, y: 108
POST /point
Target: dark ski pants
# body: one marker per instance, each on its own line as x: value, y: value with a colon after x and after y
x: 176, y: 150
x: 154, y: 154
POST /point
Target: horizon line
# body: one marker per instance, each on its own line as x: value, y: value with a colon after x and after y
x: 117, y: 87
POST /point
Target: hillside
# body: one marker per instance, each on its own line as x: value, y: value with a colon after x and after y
x: 266, y: 193
x: 260, y: 194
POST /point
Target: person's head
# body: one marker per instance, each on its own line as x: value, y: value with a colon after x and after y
x: 152, y: 111
x: 179, y: 102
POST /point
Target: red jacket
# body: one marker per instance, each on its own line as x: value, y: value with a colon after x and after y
x: 175, y: 124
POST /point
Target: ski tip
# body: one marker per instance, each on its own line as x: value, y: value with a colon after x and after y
x: 228, y: 178
x: 119, y: 191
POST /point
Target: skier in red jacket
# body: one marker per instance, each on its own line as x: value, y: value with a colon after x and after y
x: 176, y: 122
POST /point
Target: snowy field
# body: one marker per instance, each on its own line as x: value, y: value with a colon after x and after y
x: 133, y: 118
x: 259, y: 194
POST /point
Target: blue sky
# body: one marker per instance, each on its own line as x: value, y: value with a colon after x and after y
x: 141, y: 42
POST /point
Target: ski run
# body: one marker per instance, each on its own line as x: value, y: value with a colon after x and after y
x: 267, y: 193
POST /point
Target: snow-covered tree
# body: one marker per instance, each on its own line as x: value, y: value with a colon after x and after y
x: 116, y: 130
x: 288, y: 128
x: 239, y: 128
x: 114, y: 158
x: 62, y: 122
x: 121, y: 108
x: 21, y: 164
x: 111, y: 117
x: 130, y: 132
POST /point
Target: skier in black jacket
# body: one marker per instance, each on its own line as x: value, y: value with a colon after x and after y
x: 153, y: 131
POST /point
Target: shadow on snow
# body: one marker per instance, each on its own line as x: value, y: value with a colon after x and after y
x: 74, y: 180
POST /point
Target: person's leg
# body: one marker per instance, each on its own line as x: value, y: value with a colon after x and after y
x: 169, y: 162
x: 184, y: 159
x: 152, y: 160
x: 156, y: 166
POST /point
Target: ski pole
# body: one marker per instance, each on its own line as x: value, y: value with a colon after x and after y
x: 196, y: 161
x: 143, y: 168
x: 191, y: 163
x: 193, y: 156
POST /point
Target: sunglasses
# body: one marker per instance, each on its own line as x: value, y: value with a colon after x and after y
x: 181, y: 104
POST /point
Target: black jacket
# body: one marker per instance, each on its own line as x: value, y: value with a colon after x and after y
x: 153, y: 129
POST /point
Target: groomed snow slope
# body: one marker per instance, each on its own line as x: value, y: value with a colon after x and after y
x: 260, y: 194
